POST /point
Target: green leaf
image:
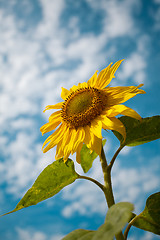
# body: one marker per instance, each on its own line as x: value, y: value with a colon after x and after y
x: 139, y: 132
x: 117, y: 216
x: 87, y: 157
x: 50, y: 181
x: 79, y: 234
x: 149, y: 219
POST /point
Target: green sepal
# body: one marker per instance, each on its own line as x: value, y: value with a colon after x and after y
x: 149, y: 219
x: 87, y: 157
x: 139, y: 132
x: 50, y: 181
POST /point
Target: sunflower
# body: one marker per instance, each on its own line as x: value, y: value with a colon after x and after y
x: 86, y: 109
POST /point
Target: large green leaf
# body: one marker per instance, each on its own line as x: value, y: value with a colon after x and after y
x: 117, y: 216
x: 87, y: 157
x: 139, y: 132
x: 79, y: 234
x: 50, y: 181
x: 149, y: 219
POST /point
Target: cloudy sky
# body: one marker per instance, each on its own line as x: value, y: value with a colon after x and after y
x: 47, y: 44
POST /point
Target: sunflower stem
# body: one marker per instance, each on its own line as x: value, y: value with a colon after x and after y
x: 114, y: 157
x: 108, y: 186
x: 93, y: 180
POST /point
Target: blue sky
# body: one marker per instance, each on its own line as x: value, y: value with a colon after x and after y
x: 45, y: 45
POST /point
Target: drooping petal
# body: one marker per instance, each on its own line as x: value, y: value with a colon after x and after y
x: 117, y: 95
x: 88, y: 139
x: 55, y: 115
x: 63, y: 148
x: 59, y: 151
x: 64, y: 94
x: 78, y: 153
x: 54, y: 138
x: 56, y: 106
x: 96, y: 145
x: 61, y: 145
x: 106, y: 75
x: 112, y: 123
x: 54, y: 121
x: 77, y: 137
x: 96, y: 127
x: 49, y: 126
x: 121, y: 109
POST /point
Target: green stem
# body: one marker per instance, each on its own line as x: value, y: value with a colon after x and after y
x: 108, y: 186
x: 93, y: 180
x: 114, y: 157
x: 107, y: 180
x: 127, y: 230
x: 129, y: 226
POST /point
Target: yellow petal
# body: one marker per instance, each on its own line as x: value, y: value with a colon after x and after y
x: 64, y: 93
x: 55, y: 116
x: 56, y: 106
x: 49, y: 126
x: 79, y: 138
x: 122, y: 109
x: 74, y: 88
x: 65, y: 158
x: 106, y: 75
x: 80, y: 85
x: 60, y: 146
x: 78, y: 153
x: 92, y: 81
x: 83, y: 85
x: 59, y: 151
x: 96, y: 127
x: 97, y: 145
x: 54, y: 138
x: 54, y: 121
x: 118, y: 95
x: 112, y: 123
x: 88, y: 136
x: 92, y: 141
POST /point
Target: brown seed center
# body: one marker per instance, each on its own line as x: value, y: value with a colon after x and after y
x: 82, y: 106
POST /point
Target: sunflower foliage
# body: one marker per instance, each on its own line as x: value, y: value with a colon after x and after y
x: 83, y: 136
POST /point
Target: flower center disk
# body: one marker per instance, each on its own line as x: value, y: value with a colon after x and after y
x: 82, y: 106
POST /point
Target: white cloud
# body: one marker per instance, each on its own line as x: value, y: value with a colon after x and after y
x: 134, y: 66
x: 132, y: 183
x: 126, y: 150
x: 149, y: 236
x: 145, y: 236
x: 26, y: 234
x: 26, y: 158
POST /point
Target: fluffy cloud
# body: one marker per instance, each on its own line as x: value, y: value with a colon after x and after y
x: 25, y: 234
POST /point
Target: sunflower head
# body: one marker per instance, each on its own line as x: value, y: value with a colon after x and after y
x: 86, y: 109
x: 83, y: 106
